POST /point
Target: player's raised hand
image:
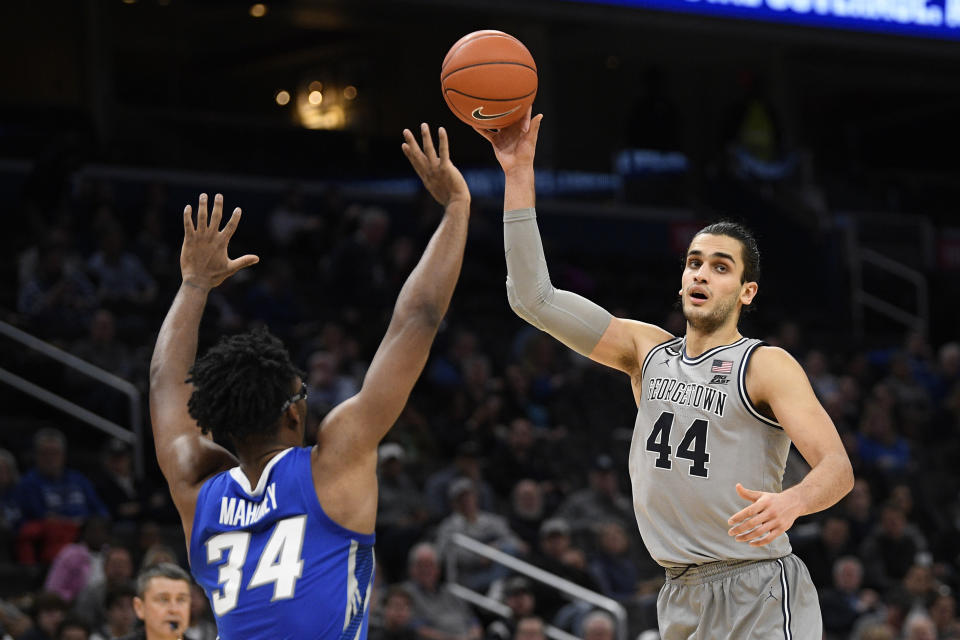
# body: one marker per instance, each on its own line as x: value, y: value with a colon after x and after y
x: 516, y: 145
x: 441, y: 178
x: 204, y: 262
x: 770, y: 515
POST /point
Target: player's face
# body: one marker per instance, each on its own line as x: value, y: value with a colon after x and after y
x: 711, y: 289
x: 165, y: 608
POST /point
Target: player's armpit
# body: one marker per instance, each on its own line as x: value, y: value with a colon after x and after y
x: 626, y: 343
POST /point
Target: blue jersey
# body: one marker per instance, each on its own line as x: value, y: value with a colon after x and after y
x: 273, y: 564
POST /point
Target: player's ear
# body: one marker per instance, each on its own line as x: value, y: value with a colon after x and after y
x: 748, y: 292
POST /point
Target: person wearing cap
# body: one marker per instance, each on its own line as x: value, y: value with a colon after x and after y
x: 488, y: 528
x: 557, y: 554
x: 120, y: 490
x: 466, y: 464
x: 518, y: 595
x: 601, y: 501
x: 401, y: 515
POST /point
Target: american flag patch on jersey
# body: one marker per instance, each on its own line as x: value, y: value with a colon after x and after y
x: 722, y: 366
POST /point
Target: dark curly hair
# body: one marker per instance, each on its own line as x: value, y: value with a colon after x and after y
x: 751, y: 252
x: 240, y: 384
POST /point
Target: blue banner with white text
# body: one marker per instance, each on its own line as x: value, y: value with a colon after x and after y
x: 938, y: 19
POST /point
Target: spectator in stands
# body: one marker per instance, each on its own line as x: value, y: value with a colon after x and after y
x: 466, y: 464
x: 101, y: 347
x: 289, y: 221
x: 943, y: 611
x: 488, y: 528
x: 518, y: 595
x: 49, y: 611
x: 518, y: 458
x: 72, y: 629
x: 857, y: 509
x: 526, y: 512
x: 121, y: 491
x: 612, y: 565
x: 821, y: 552
x: 162, y: 603
x: 326, y: 385
x: 817, y: 369
x: 891, y: 549
x: 598, y: 625
x: 913, y: 403
x: 529, y: 628
x: 397, y: 620
x: 10, y: 515
x: 90, y: 605
x: 119, y: 616
x: 601, y: 501
x: 79, y: 563
x: 947, y: 373
x: 558, y: 555
x: 54, y: 500
x: 919, y: 626
x: 123, y: 284
x: 880, y: 447
x: 401, y: 514
x: 844, y: 603
x: 437, y: 613
x: 919, y: 584
x: 272, y: 299
x: 58, y: 299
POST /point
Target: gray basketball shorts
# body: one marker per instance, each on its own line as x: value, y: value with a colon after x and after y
x: 740, y: 600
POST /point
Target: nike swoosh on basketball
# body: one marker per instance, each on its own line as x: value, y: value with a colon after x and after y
x: 478, y: 114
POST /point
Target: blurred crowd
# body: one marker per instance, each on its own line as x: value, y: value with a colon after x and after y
x: 508, y: 438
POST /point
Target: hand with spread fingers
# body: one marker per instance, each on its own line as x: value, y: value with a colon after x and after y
x: 516, y: 145
x: 204, y: 262
x: 441, y: 178
x: 770, y: 515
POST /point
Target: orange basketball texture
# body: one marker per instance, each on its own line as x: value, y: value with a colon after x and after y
x: 488, y: 79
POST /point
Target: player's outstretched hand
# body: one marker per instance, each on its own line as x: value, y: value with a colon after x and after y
x: 443, y: 180
x: 516, y: 145
x: 204, y: 262
x: 770, y: 515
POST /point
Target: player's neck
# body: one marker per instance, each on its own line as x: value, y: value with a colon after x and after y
x: 254, y: 460
x: 698, y: 342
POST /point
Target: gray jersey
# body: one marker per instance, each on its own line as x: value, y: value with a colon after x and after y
x: 697, y: 435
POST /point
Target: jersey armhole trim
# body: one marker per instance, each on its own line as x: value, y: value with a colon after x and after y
x: 656, y: 348
x: 742, y: 388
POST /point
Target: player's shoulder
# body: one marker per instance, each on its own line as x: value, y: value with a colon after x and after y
x: 770, y: 367
x: 769, y: 356
x: 646, y: 337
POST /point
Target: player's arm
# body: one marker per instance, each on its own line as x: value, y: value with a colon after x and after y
x: 185, y: 456
x: 575, y: 321
x: 777, y: 382
x: 420, y: 307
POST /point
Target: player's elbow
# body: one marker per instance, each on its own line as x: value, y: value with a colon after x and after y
x: 523, y: 304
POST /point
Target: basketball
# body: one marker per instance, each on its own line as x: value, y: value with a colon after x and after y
x: 488, y: 79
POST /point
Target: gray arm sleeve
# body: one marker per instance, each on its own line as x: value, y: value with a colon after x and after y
x: 568, y: 317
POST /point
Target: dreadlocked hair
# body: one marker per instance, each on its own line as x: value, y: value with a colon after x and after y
x: 240, y: 384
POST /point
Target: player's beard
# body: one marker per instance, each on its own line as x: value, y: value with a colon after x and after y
x: 709, y: 321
